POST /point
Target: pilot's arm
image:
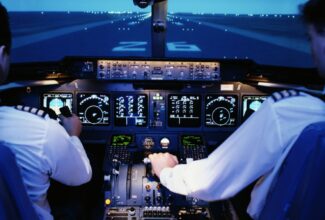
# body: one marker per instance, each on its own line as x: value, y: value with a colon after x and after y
x: 250, y: 152
x: 246, y: 155
x: 66, y: 158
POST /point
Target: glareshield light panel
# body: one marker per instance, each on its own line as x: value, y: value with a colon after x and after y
x: 131, y: 110
x: 93, y: 108
x: 184, y: 110
x: 251, y: 103
x: 55, y: 101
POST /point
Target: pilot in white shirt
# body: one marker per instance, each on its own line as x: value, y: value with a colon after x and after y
x: 255, y: 150
x: 43, y: 150
x: 259, y: 146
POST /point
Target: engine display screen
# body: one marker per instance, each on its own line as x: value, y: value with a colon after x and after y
x: 184, y: 110
x: 55, y: 101
x: 191, y: 140
x: 121, y: 140
x: 251, y: 104
x: 131, y: 110
x: 221, y: 110
x: 93, y: 108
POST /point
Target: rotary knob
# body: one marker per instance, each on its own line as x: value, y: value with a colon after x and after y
x: 148, y: 143
x: 164, y: 143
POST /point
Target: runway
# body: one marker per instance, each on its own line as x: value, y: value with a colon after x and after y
x: 267, y: 39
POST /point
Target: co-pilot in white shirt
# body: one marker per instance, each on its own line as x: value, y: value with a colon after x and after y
x: 256, y: 149
x: 43, y: 150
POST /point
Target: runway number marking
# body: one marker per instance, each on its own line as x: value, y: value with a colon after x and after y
x: 141, y: 46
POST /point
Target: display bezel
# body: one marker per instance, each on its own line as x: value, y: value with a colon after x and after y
x: 89, y: 94
x: 57, y: 111
x: 122, y: 144
x: 192, y: 145
x: 118, y: 122
x: 233, y: 120
x: 244, y: 97
x: 188, y: 122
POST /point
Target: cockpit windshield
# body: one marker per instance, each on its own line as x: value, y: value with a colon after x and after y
x: 267, y: 32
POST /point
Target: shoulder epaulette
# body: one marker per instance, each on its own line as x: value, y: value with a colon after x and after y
x: 278, y: 96
x: 39, y: 112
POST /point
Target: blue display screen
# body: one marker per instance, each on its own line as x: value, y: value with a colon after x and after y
x: 55, y: 101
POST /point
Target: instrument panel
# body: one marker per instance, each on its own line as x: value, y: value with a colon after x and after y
x: 156, y: 102
x: 143, y: 110
x: 155, y: 70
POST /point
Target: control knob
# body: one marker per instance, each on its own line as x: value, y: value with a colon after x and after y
x: 164, y: 143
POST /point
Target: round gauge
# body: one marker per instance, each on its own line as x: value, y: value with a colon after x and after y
x: 220, y: 116
x: 93, y: 108
x: 220, y: 110
x: 148, y: 143
x: 94, y: 114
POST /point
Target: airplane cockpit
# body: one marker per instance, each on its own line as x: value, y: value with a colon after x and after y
x: 149, y: 77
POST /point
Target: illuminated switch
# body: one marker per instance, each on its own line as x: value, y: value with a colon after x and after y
x: 108, y: 202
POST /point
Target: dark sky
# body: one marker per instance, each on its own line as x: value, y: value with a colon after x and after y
x: 195, y: 6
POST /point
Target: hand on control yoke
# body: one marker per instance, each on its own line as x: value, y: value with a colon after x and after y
x: 70, y: 122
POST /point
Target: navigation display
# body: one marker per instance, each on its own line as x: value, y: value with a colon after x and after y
x: 251, y: 103
x: 93, y: 108
x: 221, y: 110
x: 184, y: 110
x: 55, y: 101
x: 131, y: 110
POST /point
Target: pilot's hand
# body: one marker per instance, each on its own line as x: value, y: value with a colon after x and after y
x: 71, y: 124
x: 162, y: 160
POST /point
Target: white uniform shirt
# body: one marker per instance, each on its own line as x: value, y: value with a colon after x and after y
x: 43, y: 149
x: 257, y: 148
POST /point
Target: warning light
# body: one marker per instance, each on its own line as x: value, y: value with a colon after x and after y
x: 107, y: 202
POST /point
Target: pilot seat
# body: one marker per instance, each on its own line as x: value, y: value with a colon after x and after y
x: 298, y: 192
x: 14, y: 201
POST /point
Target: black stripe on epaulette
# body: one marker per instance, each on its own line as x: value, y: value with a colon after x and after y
x: 317, y: 95
x: 278, y: 96
x: 31, y: 110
